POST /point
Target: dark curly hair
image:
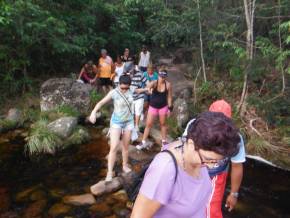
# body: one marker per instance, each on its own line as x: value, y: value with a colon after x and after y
x: 213, y: 131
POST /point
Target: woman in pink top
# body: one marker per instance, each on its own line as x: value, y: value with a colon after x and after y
x: 210, y: 140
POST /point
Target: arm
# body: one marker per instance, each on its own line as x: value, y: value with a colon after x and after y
x: 95, y: 70
x: 236, y: 180
x: 81, y: 73
x: 141, y: 90
x: 98, y: 106
x: 144, y: 207
x: 169, y: 96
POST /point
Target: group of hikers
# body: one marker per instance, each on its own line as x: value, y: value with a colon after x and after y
x: 190, y: 182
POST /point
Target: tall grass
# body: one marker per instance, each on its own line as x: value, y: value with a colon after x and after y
x: 41, y: 140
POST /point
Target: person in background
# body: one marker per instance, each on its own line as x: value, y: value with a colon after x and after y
x: 219, y: 174
x: 170, y: 191
x: 122, y: 123
x: 138, y: 79
x: 119, y: 69
x: 144, y: 59
x: 88, y: 73
x: 150, y: 75
x: 160, y: 105
x: 126, y: 56
x: 106, y: 67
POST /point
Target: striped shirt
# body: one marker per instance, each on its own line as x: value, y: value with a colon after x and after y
x: 138, y: 79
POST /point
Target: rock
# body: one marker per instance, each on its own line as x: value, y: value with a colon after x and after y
x: 102, y: 209
x: 122, y: 212
x: 105, y: 131
x: 103, y: 187
x: 186, y: 94
x: 14, y: 115
x: 156, y: 135
x: 56, y: 193
x: 181, y: 112
x: 137, y: 155
x: 35, y: 209
x: 24, y: 195
x: 183, y: 55
x: 165, y: 61
x: 65, y: 91
x: 9, y: 214
x: 4, y: 200
x: 63, y: 126
x: 58, y: 209
x: 120, y: 196
x: 78, y: 200
x: 37, y: 195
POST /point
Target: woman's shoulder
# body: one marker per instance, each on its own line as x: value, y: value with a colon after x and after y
x: 163, y: 161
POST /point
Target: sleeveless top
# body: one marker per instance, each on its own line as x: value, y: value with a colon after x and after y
x: 158, y: 99
x: 118, y: 71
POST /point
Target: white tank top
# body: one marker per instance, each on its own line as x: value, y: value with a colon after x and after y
x: 118, y: 71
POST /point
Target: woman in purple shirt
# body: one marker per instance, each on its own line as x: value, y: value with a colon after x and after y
x: 210, y: 139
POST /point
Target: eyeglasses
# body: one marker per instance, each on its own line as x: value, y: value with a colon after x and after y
x: 212, y: 163
x: 124, y: 88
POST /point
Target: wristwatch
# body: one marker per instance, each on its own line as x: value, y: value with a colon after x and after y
x: 235, y: 194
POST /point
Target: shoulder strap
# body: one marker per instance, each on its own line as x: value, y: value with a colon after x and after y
x: 175, y: 163
x: 125, y: 99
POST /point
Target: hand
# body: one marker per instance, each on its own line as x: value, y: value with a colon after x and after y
x: 93, y: 117
x: 150, y: 90
x: 231, y: 202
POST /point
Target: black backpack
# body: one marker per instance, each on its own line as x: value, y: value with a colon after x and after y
x: 133, y: 189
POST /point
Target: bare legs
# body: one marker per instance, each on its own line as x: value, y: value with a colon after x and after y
x: 149, y: 123
x: 162, y: 121
x: 115, y: 134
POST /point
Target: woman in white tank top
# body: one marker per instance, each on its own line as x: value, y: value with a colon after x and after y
x: 119, y: 69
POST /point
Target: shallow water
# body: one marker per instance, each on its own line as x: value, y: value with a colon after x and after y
x: 35, y: 188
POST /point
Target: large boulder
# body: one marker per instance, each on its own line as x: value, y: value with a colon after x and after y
x: 14, y: 115
x: 63, y: 127
x: 181, y: 111
x: 65, y: 91
x: 103, y: 187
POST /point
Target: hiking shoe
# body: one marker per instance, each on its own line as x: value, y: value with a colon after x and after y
x: 126, y: 169
x: 143, y: 145
x: 109, y: 177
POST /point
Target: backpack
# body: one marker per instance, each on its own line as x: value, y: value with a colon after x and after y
x: 133, y: 189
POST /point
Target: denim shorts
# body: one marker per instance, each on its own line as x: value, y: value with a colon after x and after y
x: 128, y: 125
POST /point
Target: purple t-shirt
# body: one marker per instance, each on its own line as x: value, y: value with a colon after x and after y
x: 186, y: 198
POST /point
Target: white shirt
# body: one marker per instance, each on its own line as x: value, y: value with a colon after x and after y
x: 144, y: 59
x: 118, y: 71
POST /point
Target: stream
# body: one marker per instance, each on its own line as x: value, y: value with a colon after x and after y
x: 31, y: 187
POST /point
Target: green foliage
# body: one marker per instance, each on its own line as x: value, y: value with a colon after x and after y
x: 79, y: 136
x: 6, y: 125
x: 41, y: 139
x: 60, y: 111
x: 66, y: 110
x: 173, y: 129
x: 95, y: 96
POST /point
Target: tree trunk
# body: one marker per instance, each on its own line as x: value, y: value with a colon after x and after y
x: 249, y: 6
x: 201, y: 42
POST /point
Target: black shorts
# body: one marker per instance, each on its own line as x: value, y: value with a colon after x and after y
x: 105, y: 82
